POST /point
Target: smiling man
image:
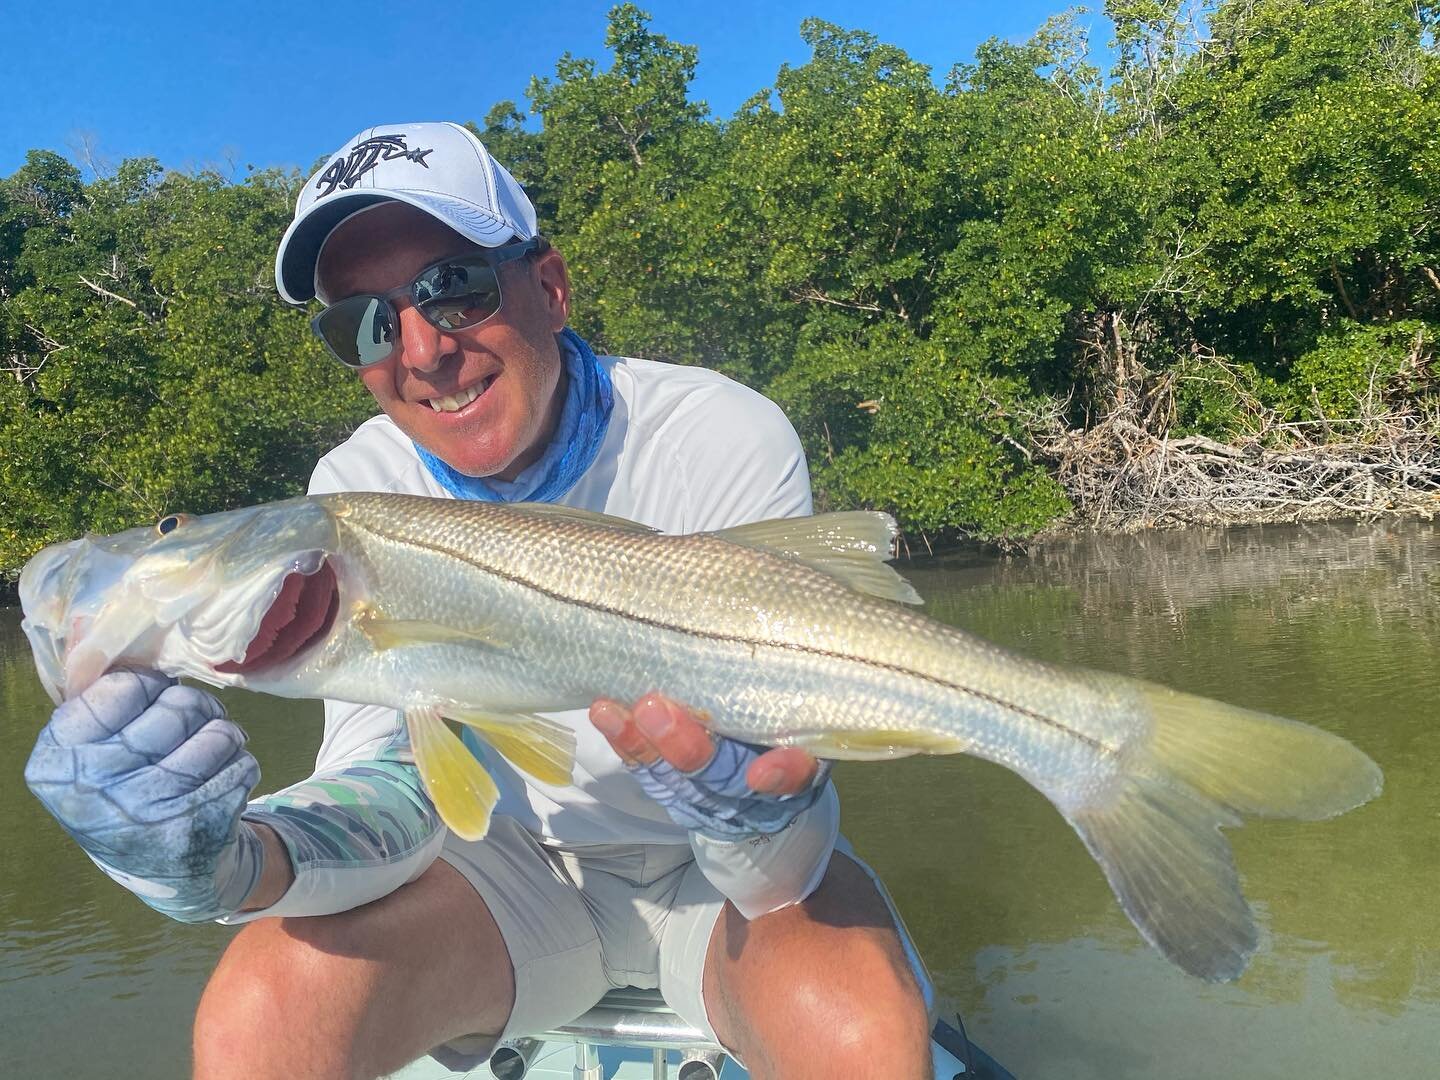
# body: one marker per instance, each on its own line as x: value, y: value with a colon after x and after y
x: 675, y: 859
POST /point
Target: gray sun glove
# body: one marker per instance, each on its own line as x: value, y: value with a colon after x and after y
x: 150, y: 778
x: 715, y: 800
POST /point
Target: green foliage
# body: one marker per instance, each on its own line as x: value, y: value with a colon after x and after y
x: 1357, y: 369
x: 904, y: 427
x: 1221, y: 400
x: 1243, y: 211
x: 155, y: 369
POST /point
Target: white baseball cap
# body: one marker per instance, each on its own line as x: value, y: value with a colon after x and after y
x: 442, y: 169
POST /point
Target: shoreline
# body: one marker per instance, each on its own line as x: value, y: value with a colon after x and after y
x: 1424, y: 508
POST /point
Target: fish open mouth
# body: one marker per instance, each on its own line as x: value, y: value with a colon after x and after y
x: 301, y: 614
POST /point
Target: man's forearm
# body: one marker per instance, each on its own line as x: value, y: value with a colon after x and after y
x: 276, y: 872
x: 341, y: 838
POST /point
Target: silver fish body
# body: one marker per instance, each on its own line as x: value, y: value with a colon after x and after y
x: 785, y: 633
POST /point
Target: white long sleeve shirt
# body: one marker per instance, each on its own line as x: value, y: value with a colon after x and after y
x: 687, y: 450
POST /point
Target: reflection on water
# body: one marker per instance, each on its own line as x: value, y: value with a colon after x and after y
x: 93, y: 984
x: 1335, y: 625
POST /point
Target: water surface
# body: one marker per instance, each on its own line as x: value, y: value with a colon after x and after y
x: 1335, y: 625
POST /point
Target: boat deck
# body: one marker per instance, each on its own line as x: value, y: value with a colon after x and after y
x: 632, y: 1035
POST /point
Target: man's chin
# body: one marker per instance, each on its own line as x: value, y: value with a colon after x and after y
x: 476, y: 466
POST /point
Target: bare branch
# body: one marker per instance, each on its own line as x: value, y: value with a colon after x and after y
x: 107, y: 292
x: 1340, y: 287
x: 814, y: 295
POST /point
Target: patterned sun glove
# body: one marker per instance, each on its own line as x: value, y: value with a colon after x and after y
x: 715, y: 800
x: 150, y: 778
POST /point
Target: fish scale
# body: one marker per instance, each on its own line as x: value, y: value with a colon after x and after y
x: 783, y: 633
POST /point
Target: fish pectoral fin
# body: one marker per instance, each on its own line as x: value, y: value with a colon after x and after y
x: 386, y: 633
x: 461, y: 789
x: 543, y: 748
x: 876, y: 745
x: 851, y: 546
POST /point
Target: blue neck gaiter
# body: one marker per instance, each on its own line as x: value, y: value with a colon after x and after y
x: 589, y: 398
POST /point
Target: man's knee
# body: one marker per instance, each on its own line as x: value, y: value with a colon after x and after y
x: 864, y: 1007
x: 299, y: 996
x: 826, y: 988
x: 268, y: 987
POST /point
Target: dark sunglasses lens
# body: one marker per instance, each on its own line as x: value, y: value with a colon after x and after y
x: 360, y: 330
x: 459, y: 294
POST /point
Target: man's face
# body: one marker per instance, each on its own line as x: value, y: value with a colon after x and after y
x: 512, y: 358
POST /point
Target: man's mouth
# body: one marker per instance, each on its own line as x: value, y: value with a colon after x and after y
x: 458, y: 400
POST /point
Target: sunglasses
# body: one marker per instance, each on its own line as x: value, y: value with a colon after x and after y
x: 455, y: 293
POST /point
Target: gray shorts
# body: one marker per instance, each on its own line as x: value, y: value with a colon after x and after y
x: 579, y: 922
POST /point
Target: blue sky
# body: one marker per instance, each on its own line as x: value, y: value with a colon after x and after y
x: 267, y: 83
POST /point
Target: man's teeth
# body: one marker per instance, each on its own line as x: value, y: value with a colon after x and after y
x: 451, y: 402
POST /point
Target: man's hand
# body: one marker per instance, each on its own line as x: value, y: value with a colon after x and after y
x: 726, y: 789
x: 150, y: 779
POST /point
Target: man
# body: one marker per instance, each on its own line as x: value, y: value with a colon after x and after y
x: 675, y: 859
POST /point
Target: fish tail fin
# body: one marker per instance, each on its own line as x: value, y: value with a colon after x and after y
x: 1155, y: 828
x: 461, y: 789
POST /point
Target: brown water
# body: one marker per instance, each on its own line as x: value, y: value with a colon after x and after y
x: 1336, y: 625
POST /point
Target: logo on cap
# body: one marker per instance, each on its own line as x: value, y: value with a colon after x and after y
x: 346, y: 172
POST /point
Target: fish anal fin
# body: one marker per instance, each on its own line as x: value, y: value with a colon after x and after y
x: 458, y: 785
x: 386, y: 633
x: 851, y: 546
x: 876, y: 745
x: 543, y: 748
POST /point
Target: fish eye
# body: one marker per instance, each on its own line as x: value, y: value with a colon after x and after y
x: 170, y: 522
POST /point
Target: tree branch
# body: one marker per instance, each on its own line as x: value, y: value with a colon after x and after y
x: 1344, y: 296
x: 813, y: 294
x: 107, y: 292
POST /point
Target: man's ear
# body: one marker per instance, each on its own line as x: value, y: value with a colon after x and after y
x: 554, y: 278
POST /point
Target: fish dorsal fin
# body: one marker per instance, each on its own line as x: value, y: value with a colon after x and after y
x: 850, y: 546
x: 587, y: 517
x: 541, y: 747
x: 457, y: 783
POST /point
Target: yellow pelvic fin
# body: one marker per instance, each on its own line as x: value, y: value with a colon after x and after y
x: 387, y: 633
x: 543, y: 748
x: 877, y: 745
x: 851, y: 547
x: 459, y: 786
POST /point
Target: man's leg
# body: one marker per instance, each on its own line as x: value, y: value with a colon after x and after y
x: 821, y: 989
x: 357, y: 994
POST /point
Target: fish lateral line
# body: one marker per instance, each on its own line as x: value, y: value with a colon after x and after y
x: 1097, y: 745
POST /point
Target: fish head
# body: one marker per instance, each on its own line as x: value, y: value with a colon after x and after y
x: 220, y: 597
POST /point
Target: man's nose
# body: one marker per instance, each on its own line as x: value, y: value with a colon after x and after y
x: 423, y: 346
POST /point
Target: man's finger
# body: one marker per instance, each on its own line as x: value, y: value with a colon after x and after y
x: 613, y: 721
x: 674, y: 731
x: 786, y: 770
x: 107, y: 705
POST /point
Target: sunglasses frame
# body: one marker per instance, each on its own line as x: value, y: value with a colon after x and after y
x: 493, y: 257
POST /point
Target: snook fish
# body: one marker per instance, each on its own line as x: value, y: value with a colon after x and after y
x: 783, y: 632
